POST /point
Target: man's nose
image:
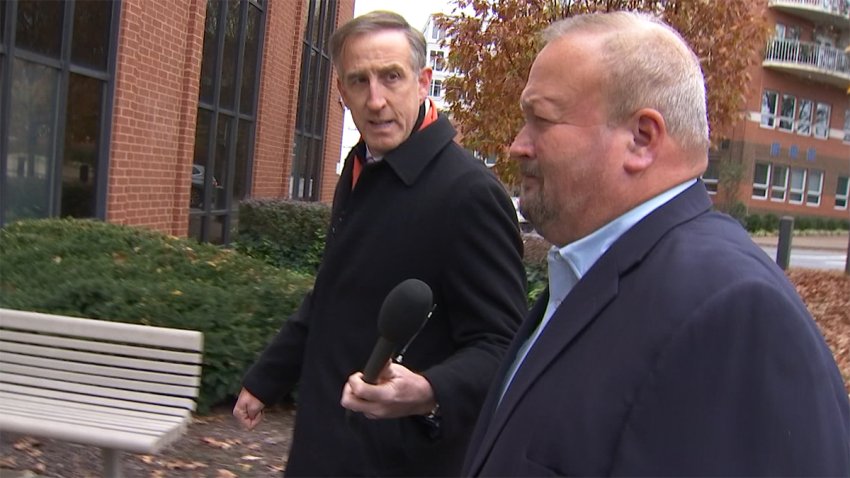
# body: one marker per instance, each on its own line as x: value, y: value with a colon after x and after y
x: 377, y: 98
x: 521, y: 146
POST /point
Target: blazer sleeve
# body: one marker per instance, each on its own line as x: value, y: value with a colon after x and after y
x: 483, y: 290
x: 746, y: 387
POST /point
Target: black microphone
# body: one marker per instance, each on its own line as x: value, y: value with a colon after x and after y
x: 402, y: 314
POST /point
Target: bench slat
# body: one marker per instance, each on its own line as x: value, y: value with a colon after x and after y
x: 97, y: 391
x: 107, y: 421
x: 103, y: 330
x: 27, y: 402
x: 75, y: 398
x: 118, y: 350
x: 90, y: 435
x: 87, y: 368
x: 110, y: 383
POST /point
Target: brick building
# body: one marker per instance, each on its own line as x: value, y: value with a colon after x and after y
x: 793, y: 147
x: 166, y: 113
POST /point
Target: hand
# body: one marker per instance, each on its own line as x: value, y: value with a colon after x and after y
x: 398, y: 393
x: 248, y: 410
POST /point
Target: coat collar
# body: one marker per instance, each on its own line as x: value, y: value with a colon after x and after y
x: 581, y: 306
x: 412, y: 156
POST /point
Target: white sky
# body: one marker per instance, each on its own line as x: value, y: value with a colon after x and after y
x: 414, y: 11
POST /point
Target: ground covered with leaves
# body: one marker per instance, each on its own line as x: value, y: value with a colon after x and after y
x: 214, y: 447
x: 217, y: 447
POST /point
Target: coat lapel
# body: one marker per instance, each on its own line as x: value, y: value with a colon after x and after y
x: 582, y: 305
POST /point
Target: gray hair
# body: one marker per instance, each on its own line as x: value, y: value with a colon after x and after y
x: 647, y: 64
x: 379, y: 20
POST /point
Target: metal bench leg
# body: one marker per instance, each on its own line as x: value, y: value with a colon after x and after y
x: 111, y: 463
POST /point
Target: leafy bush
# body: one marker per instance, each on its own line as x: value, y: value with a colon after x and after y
x: 536, y: 266
x: 283, y: 233
x: 105, y: 271
x: 769, y: 223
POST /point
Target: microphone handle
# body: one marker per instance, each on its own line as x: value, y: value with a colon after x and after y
x: 382, y: 353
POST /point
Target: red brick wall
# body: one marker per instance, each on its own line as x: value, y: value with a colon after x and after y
x: 153, y: 125
x: 156, y: 100
x: 278, y: 98
x: 333, y: 132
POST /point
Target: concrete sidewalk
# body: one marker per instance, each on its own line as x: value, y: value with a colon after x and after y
x: 837, y: 242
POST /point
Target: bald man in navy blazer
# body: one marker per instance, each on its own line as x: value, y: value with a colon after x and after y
x: 667, y: 343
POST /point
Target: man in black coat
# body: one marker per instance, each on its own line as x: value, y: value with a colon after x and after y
x: 410, y: 203
x: 667, y: 343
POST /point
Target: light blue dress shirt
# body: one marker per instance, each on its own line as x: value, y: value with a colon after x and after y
x: 570, y: 263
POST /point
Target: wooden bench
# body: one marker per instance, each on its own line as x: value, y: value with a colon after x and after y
x: 121, y: 387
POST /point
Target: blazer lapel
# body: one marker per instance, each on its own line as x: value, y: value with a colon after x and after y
x: 583, y: 304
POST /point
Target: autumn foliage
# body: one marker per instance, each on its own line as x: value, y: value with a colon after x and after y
x: 493, y: 43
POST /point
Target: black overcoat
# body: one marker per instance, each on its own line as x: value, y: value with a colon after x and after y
x: 430, y: 211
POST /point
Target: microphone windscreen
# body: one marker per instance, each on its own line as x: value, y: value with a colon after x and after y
x: 404, y: 309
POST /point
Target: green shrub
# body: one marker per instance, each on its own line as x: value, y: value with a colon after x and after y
x: 536, y: 266
x: 104, y: 271
x: 283, y: 233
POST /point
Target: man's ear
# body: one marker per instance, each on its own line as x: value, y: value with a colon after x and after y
x: 648, y: 130
x: 341, y: 88
x: 424, y: 82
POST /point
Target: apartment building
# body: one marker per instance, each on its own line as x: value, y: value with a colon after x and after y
x: 165, y: 113
x: 792, y: 150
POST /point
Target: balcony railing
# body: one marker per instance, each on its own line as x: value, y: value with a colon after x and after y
x: 818, y: 62
x: 835, y: 12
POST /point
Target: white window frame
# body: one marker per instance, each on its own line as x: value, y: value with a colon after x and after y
x: 779, y: 189
x: 437, y: 60
x: 764, y: 187
x: 436, y: 90
x: 821, y: 121
x: 841, y: 196
x: 768, y: 110
x: 797, y: 189
x: 786, y: 117
x: 711, y: 177
x: 805, y: 115
x: 813, y: 195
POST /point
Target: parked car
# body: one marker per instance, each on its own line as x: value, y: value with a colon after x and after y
x: 524, y: 225
x: 196, y: 197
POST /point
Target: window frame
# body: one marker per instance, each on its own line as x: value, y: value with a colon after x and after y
x: 779, y: 191
x: 768, y: 112
x: 786, y: 123
x: 761, y: 186
x: 817, y: 193
x: 842, y: 195
x: 802, y: 122
x: 796, y: 194
x: 815, y: 122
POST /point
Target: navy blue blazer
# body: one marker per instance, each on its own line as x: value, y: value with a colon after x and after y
x: 683, y: 351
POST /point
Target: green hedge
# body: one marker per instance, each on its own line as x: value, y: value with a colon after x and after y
x: 769, y: 223
x: 104, y: 271
x: 283, y: 233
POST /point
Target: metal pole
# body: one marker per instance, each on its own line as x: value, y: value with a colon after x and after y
x: 783, y: 248
x: 847, y: 262
x: 111, y: 463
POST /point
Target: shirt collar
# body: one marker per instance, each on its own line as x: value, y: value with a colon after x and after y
x: 580, y: 255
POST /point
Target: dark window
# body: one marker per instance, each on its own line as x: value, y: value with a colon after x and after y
x: 55, y: 78
x: 39, y: 26
x: 226, y: 114
x: 311, y: 118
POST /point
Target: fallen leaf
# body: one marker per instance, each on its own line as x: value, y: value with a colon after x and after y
x: 224, y: 445
x: 184, y: 465
x: 251, y: 458
x: 225, y: 474
x: 8, y: 462
x: 147, y: 459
